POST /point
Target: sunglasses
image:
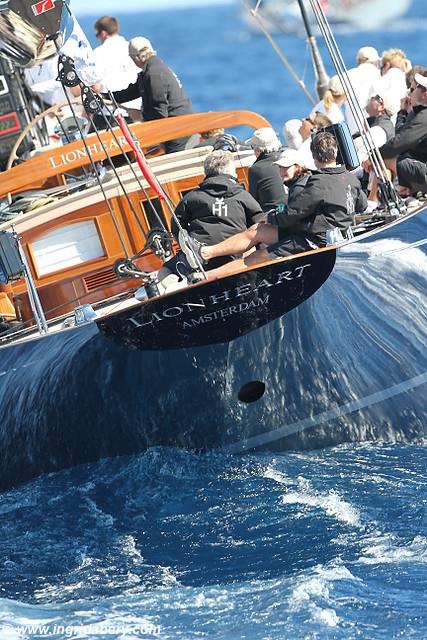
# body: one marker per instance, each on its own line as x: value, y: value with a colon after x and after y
x: 310, y: 121
x: 418, y: 86
x: 378, y: 99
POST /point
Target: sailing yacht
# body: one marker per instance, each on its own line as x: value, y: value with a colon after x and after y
x: 364, y: 15
x: 98, y: 358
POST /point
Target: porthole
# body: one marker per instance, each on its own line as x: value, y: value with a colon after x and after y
x: 251, y: 391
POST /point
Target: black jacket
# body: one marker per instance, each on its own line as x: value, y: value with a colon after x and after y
x: 330, y: 198
x: 264, y: 181
x: 161, y: 92
x: 216, y: 210
x: 411, y: 137
x: 296, y: 188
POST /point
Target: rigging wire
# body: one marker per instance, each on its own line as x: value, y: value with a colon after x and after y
x: 92, y: 162
x: 94, y: 102
x: 131, y: 166
x: 386, y: 185
x: 256, y: 15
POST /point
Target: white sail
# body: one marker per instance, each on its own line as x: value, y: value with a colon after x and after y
x: 366, y: 14
x: 284, y: 15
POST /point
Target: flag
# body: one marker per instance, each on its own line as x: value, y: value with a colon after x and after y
x: 78, y: 48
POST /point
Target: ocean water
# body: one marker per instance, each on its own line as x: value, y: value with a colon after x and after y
x: 325, y: 545
x: 330, y: 544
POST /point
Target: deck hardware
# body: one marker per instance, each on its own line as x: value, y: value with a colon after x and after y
x: 84, y: 313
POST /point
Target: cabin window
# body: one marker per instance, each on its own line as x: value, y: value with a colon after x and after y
x: 153, y: 219
x: 67, y: 247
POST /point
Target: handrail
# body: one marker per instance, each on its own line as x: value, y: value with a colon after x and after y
x: 56, y: 161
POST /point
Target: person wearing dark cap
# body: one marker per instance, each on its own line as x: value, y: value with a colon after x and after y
x: 380, y: 110
x: 160, y: 89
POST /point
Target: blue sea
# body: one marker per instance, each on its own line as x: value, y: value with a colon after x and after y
x: 328, y: 545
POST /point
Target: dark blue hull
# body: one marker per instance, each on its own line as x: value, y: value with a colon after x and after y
x: 347, y: 361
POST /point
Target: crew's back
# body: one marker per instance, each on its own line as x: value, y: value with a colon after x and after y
x: 331, y: 196
x: 219, y: 207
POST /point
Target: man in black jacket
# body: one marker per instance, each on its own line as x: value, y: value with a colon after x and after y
x: 216, y: 210
x: 406, y: 153
x: 264, y: 181
x: 331, y: 197
x: 160, y: 89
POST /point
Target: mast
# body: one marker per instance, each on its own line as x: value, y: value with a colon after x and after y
x: 322, y: 78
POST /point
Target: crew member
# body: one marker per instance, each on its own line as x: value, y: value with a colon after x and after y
x: 331, y: 197
x: 160, y: 89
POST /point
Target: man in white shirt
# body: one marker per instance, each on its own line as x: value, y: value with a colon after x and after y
x: 365, y: 80
x: 113, y: 63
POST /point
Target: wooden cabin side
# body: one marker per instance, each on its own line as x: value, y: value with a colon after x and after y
x: 83, y: 271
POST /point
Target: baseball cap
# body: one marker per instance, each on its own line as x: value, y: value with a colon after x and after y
x: 390, y: 101
x: 264, y: 138
x: 291, y: 133
x: 138, y: 44
x: 422, y: 80
x: 335, y: 86
x: 367, y: 54
x: 289, y: 157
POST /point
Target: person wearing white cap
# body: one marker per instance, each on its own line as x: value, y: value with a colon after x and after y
x: 264, y: 181
x: 365, y: 79
x: 294, y: 174
x: 158, y: 86
x: 406, y: 153
x: 291, y: 133
x: 113, y: 62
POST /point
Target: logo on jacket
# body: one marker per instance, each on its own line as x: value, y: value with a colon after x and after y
x: 350, y: 203
x: 220, y: 208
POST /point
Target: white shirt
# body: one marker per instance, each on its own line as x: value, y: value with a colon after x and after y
x: 379, y: 138
x: 365, y: 80
x: 334, y: 114
x: 41, y: 79
x: 116, y: 68
x: 393, y: 84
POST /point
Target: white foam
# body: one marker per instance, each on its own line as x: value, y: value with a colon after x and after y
x: 386, y: 551
x: 312, y: 593
x: 273, y: 474
x: 102, y: 518
x: 129, y: 548
x: 331, y: 503
x: 328, y: 617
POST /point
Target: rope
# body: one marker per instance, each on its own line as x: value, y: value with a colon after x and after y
x: 338, y: 62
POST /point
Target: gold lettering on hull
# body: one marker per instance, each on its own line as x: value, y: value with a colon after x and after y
x: 205, y: 307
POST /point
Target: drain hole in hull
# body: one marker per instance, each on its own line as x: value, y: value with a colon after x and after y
x: 252, y: 391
